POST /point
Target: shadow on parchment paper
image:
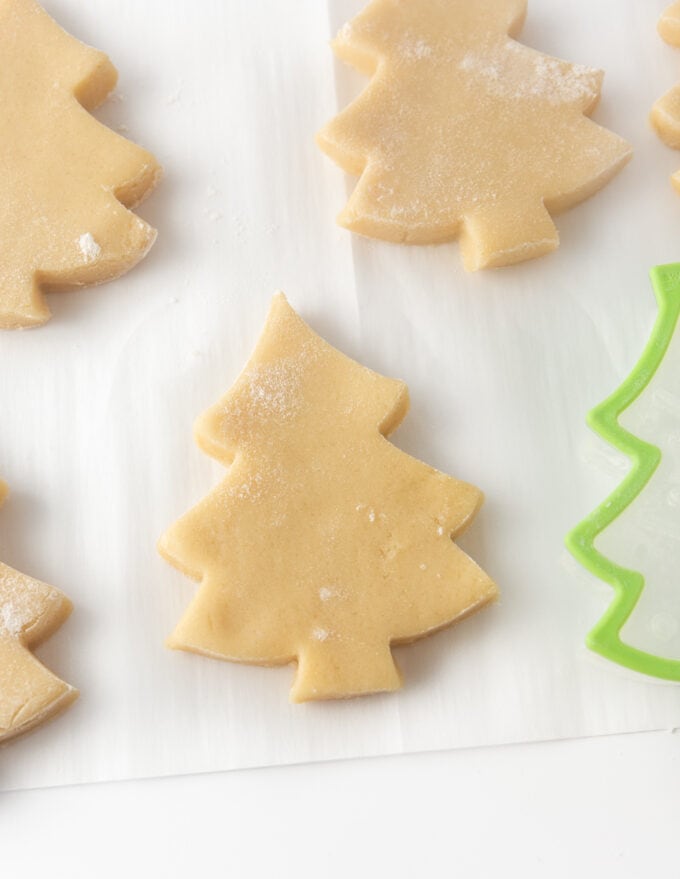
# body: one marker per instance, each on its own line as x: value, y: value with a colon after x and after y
x: 18, y: 516
x: 420, y: 661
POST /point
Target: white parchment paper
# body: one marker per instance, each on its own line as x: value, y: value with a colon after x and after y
x: 97, y: 407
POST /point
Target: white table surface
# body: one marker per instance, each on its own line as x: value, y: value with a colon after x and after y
x: 597, y: 807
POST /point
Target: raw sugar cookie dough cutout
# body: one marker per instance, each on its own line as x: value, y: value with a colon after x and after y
x: 464, y: 133
x: 665, y: 115
x: 325, y: 544
x: 30, y: 612
x: 67, y: 181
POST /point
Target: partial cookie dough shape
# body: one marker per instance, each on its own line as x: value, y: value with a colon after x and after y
x: 67, y: 181
x: 30, y: 612
x: 325, y: 544
x: 669, y: 25
x: 665, y: 115
x: 463, y: 132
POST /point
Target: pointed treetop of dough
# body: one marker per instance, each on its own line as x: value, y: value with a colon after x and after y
x: 292, y: 364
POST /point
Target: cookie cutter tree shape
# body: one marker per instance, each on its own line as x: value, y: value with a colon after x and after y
x: 67, y: 181
x: 645, y: 458
x: 464, y: 133
x: 325, y: 544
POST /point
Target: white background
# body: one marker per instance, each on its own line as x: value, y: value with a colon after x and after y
x: 598, y: 807
x: 502, y: 368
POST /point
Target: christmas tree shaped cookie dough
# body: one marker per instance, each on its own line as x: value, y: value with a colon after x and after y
x: 465, y: 133
x: 665, y: 115
x: 29, y: 613
x: 67, y: 181
x: 325, y: 544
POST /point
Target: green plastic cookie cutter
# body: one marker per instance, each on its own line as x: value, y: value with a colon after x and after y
x: 628, y: 585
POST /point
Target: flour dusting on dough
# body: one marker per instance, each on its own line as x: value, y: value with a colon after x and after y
x: 345, y: 32
x: 541, y: 77
x: 10, y: 620
x: 19, y: 599
x: 14, y: 612
x: 89, y: 248
x: 415, y: 49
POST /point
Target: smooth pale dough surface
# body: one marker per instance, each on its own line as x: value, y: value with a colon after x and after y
x: 665, y: 115
x: 66, y: 180
x: 325, y: 544
x: 669, y: 24
x: 30, y: 612
x: 463, y: 132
